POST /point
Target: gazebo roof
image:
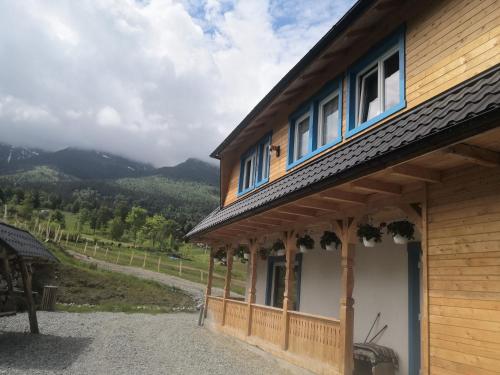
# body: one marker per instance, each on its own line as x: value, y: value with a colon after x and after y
x: 23, y: 244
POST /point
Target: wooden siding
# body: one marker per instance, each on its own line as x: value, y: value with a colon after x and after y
x: 451, y: 41
x: 464, y: 273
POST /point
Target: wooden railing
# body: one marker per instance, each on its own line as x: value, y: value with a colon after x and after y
x: 236, y: 315
x: 309, y: 336
x: 314, y: 336
x: 267, y: 323
x: 215, y: 309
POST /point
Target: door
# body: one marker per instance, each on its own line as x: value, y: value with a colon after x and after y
x: 414, y: 252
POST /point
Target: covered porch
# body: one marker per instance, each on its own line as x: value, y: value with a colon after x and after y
x: 432, y: 167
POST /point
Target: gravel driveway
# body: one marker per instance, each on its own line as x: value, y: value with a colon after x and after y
x: 118, y: 343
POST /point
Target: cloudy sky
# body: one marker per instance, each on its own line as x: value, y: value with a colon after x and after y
x: 154, y: 80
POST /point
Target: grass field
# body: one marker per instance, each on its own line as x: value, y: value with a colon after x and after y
x: 84, y: 289
x: 193, y: 258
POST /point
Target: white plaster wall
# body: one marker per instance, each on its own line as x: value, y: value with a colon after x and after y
x: 320, y: 284
x: 381, y: 285
x: 260, y: 285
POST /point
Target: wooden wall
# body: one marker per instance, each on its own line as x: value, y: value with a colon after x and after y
x: 464, y: 273
x: 447, y: 43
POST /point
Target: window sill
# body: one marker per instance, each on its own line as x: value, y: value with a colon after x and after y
x: 257, y: 185
x: 376, y: 119
x: 314, y: 153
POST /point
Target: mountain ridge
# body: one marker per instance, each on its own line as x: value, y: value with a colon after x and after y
x: 84, y: 165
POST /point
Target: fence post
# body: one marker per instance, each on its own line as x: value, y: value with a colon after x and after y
x: 95, y: 248
x: 131, y: 258
x: 144, y: 262
x: 106, y: 254
x: 159, y: 262
x: 118, y: 257
x: 85, y: 249
x: 180, y: 267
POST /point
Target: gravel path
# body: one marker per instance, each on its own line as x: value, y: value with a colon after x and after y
x: 118, y: 343
x: 195, y: 289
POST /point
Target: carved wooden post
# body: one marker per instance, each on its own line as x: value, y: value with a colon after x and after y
x: 208, y: 292
x: 346, y: 301
x: 227, y: 283
x: 424, y: 321
x: 29, y: 297
x: 290, y: 248
x: 253, y: 280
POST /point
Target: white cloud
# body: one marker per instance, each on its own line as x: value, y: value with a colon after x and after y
x: 174, y: 76
x: 108, y: 116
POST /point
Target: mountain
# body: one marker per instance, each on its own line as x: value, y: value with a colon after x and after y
x: 192, y: 170
x: 186, y: 192
x: 72, y: 163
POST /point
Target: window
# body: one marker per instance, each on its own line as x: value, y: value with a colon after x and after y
x: 316, y: 125
x: 275, y: 288
x: 328, y: 128
x: 376, y: 85
x: 255, y: 166
x: 249, y: 171
x: 302, y: 136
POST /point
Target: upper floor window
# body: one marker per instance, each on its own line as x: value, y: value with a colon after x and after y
x: 376, y: 85
x: 255, y: 166
x: 316, y: 125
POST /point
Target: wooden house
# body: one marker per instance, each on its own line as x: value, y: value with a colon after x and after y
x: 393, y: 115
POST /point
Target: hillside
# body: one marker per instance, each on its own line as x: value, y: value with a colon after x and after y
x: 186, y: 192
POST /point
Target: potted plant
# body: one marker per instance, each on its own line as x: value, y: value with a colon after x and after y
x: 329, y: 241
x: 369, y: 234
x: 305, y: 243
x: 402, y: 231
x: 278, y: 248
x: 246, y: 255
x: 264, y: 253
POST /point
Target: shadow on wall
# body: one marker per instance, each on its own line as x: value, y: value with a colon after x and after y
x: 41, y: 352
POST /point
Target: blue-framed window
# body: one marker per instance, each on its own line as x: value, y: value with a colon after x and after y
x: 376, y: 84
x: 255, y: 166
x: 275, y: 285
x: 316, y: 125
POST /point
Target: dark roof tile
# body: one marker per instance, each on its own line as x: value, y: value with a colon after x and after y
x: 23, y: 243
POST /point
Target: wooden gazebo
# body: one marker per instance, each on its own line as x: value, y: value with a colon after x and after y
x: 19, y: 250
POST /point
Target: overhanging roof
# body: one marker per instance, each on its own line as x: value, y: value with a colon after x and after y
x: 347, y: 19
x: 23, y: 244
x: 463, y: 111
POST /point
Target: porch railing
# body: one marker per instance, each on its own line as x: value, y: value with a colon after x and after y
x: 310, y: 336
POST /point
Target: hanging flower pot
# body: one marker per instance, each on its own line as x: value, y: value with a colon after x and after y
x: 278, y: 248
x: 369, y: 242
x: 264, y: 253
x: 329, y: 241
x: 305, y: 243
x: 402, y: 231
x: 246, y: 256
x: 369, y: 235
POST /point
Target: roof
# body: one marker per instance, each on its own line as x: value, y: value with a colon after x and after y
x: 23, y: 243
x: 463, y: 111
x: 347, y: 19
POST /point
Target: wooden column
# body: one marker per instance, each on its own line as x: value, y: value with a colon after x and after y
x: 346, y: 228
x: 208, y: 291
x: 253, y: 280
x: 29, y: 297
x: 227, y: 283
x: 290, y: 248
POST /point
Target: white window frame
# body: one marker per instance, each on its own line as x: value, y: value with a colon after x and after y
x: 321, y: 104
x: 377, y: 64
x: 296, y: 135
x: 266, y: 158
x: 252, y: 158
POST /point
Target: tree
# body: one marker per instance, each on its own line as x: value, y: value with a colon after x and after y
x: 35, y: 199
x: 93, y: 220
x: 136, y: 219
x: 116, y: 228
x: 104, y: 214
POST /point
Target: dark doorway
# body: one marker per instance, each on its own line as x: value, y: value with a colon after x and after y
x: 414, y: 253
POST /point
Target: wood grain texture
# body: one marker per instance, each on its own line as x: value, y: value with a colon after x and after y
x: 447, y: 43
x: 464, y: 273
